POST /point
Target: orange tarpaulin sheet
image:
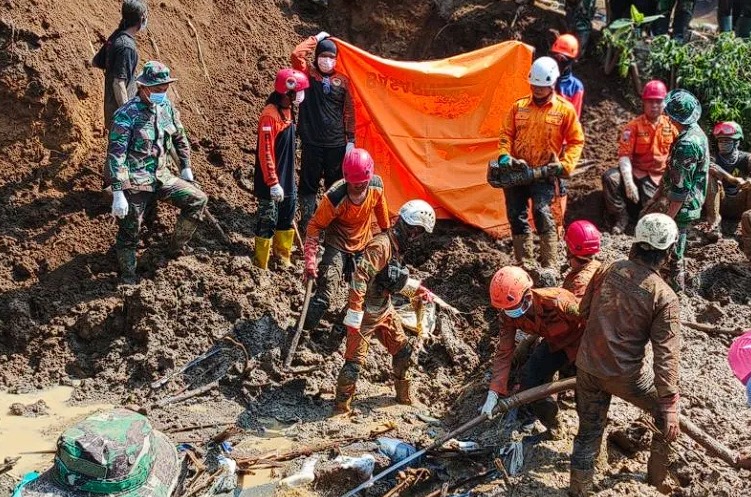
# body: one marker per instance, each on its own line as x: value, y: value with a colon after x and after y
x: 432, y: 126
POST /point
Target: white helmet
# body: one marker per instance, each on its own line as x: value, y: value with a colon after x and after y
x: 418, y: 213
x: 657, y: 230
x: 544, y: 72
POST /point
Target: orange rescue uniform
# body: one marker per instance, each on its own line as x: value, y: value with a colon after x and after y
x: 647, y: 145
x: 576, y: 280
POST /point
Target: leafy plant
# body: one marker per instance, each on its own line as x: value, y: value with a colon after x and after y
x: 624, y: 35
x: 717, y: 72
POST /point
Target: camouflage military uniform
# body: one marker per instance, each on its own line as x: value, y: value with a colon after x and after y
x: 139, y: 143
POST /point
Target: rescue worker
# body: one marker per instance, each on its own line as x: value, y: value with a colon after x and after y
x: 118, y: 57
x: 327, y: 120
x: 274, y: 175
x: 565, y: 50
x: 684, y: 183
x: 115, y: 453
x: 345, y: 217
x: 642, y: 158
x: 627, y: 304
x: 143, y: 132
x: 551, y: 313
x: 534, y: 134
x: 684, y: 12
x: 739, y: 358
x: 734, y: 15
x: 729, y: 186
x: 380, y: 273
x: 582, y: 245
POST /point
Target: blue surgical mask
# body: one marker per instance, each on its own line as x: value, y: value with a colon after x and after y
x: 748, y: 392
x: 519, y: 311
x: 158, y: 98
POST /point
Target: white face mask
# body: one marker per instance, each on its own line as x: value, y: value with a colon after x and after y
x: 299, y: 97
x: 326, y: 65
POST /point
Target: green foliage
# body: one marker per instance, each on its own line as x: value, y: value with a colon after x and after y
x: 717, y: 72
x: 623, y: 35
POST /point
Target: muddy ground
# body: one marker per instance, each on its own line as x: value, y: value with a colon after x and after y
x: 64, y: 320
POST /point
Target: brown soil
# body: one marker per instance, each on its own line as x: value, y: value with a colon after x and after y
x: 63, y: 317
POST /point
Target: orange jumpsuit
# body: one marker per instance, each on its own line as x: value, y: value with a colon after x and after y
x: 576, y: 280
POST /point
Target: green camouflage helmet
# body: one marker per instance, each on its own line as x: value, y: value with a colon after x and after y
x: 154, y: 73
x: 682, y: 107
x: 114, y: 452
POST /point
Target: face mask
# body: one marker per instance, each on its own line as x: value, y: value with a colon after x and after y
x: 326, y: 65
x: 726, y: 147
x: 158, y: 98
x: 519, y: 311
x: 143, y: 25
x: 299, y: 97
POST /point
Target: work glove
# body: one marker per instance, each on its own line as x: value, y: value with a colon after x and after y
x: 350, y: 146
x: 490, y: 403
x: 353, y: 319
x: 669, y: 409
x: 322, y: 36
x: 424, y: 294
x: 187, y: 174
x: 632, y: 192
x: 311, y: 264
x: 277, y: 193
x: 119, y: 204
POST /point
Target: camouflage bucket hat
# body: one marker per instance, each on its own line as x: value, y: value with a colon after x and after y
x: 681, y: 106
x: 114, y: 453
x: 154, y: 73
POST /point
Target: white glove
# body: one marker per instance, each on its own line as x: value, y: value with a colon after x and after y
x: 119, y: 204
x: 350, y: 146
x: 187, y: 174
x: 632, y: 192
x: 277, y: 193
x: 322, y: 36
x: 353, y: 319
x: 490, y: 402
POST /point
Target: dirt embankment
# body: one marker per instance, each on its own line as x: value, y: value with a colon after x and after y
x: 63, y: 318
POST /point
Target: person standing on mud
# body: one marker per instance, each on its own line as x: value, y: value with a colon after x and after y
x: 533, y: 135
x: 729, y: 187
x: 345, y: 217
x: 551, y: 313
x: 118, y: 57
x: 626, y: 305
x: 734, y: 15
x: 642, y: 158
x: 274, y: 175
x: 684, y: 183
x: 379, y: 273
x: 143, y: 131
x: 327, y: 120
x: 582, y: 244
x: 684, y: 12
x: 565, y: 50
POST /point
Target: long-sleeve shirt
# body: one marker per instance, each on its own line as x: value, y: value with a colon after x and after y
x: 379, y: 273
x: 556, y: 319
x: 327, y: 115
x: 140, y: 138
x: 627, y: 305
x: 275, y: 152
x: 348, y: 226
x: 576, y: 280
x: 685, y: 179
x: 572, y: 89
x: 537, y: 134
x: 647, y: 144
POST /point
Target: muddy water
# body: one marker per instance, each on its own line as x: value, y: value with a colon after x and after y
x: 20, y: 434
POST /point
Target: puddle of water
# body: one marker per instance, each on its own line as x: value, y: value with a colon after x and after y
x: 21, y: 434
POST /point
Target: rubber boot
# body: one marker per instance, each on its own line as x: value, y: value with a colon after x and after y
x: 581, y: 482
x: 524, y: 247
x: 549, y: 250
x: 316, y: 310
x: 725, y: 23
x: 126, y: 259
x: 547, y: 412
x: 262, y: 252
x: 620, y: 223
x: 184, y: 230
x: 657, y: 466
x: 346, y: 383
x: 283, y: 240
x: 743, y: 27
x: 342, y: 405
x: 403, y: 395
x: 681, y: 24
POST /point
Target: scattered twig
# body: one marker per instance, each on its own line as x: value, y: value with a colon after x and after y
x: 200, y: 52
x: 502, y: 469
x: 197, y: 427
x: 88, y: 38
x: 245, y: 352
x: 154, y: 45
x: 714, y: 330
x: 187, y: 395
x: 10, y: 462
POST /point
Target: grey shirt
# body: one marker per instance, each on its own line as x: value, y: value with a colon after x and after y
x: 121, y: 63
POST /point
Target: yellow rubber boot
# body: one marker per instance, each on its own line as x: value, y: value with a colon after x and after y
x: 262, y: 252
x: 283, y: 240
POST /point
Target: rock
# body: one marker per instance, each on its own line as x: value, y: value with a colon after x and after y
x: 38, y: 408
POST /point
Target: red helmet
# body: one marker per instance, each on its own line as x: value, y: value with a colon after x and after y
x: 508, y: 287
x: 289, y: 79
x: 654, y: 90
x: 357, y: 166
x: 566, y: 45
x: 728, y: 129
x: 582, y: 238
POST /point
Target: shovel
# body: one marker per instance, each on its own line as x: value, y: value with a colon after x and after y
x: 300, y: 324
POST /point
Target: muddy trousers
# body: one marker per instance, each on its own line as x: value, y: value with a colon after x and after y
x: 275, y: 216
x: 538, y: 370
x: 593, y: 396
x: 722, y: 206
x: 617, y: 205
x: 542, y: 194
x: 315, y: 163
x: 331, y: 273
x: 182, y: 194
x: 684, y: 12
x: 387, y: 328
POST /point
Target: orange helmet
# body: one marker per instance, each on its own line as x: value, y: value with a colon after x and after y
x: 508, y: 287
x: 566, y: 45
